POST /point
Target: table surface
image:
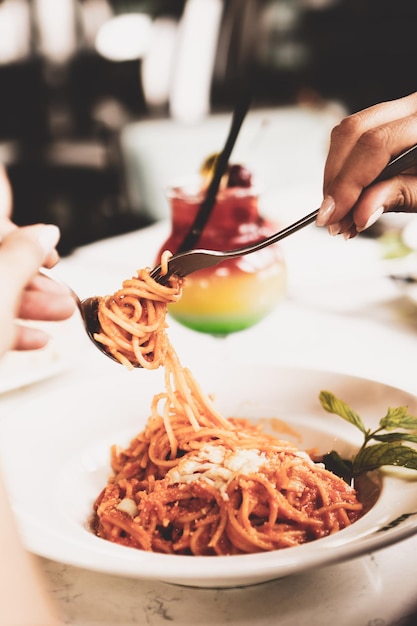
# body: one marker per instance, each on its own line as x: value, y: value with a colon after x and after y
x: 341, y: 313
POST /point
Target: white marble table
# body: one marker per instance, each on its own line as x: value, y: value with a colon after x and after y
x: 340, y: 314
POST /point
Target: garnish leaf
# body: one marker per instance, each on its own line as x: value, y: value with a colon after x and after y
x: 334, y: 405
x: 372, y: 457
x: 391, y: 437
x: 341, y: 467
x: 388, y: 451
x: 398, y: 418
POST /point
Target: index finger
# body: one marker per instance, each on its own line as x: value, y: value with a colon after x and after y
x: 367, y: 159
x: 346, y: 135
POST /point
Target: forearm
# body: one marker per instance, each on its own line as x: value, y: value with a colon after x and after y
x: 23, y: 597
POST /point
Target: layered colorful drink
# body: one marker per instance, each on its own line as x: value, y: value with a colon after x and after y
x: 237, y: 293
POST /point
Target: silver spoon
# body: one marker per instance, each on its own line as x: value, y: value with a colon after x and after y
x: 88, y: 309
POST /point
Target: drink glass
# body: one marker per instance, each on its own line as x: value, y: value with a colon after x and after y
x: 237, y: 293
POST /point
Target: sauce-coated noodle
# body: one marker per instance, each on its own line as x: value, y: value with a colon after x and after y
x: 133, y: 322
x: 193, y: 482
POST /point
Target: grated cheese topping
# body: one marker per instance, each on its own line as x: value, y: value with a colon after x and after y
x: 217, y: 465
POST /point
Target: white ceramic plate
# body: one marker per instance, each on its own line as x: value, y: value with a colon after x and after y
x: 18, y: 369
x: 56, y: 460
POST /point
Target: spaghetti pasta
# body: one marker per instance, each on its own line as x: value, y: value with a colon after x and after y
x: 195, y: 483
x: 132, y: 320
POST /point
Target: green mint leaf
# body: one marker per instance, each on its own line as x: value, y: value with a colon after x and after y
x: 390, y: 437
x: 335, y: 464
x: 398, y: 418
x: 334, y: 405
x: 380, y: 454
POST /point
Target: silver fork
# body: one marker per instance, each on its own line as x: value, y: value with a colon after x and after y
x: 191, y: 261
x: 186, y: 263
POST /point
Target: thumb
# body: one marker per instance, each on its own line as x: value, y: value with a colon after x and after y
x: 22, y: 252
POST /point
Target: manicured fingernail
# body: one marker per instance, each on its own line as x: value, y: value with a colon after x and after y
x: 372, y: 219
x: 334, y: 229
x: 326, y: 211
x: 351, y: 233
x: 47, y: 235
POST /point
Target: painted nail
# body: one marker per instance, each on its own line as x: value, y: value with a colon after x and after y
x: 326, y: 211
x: 351, y: 233
x: 372, y: 219
x: 334, y: 229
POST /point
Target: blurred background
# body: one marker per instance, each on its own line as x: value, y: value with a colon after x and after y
x: 76, y: 75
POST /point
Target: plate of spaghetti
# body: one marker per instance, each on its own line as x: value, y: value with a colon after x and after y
x: 159, y: 478
x: 77, y: 497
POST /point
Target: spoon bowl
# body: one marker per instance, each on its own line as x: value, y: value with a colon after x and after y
x: 88, y: 309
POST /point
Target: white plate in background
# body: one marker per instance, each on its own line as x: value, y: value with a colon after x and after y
x: 67, y: 343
